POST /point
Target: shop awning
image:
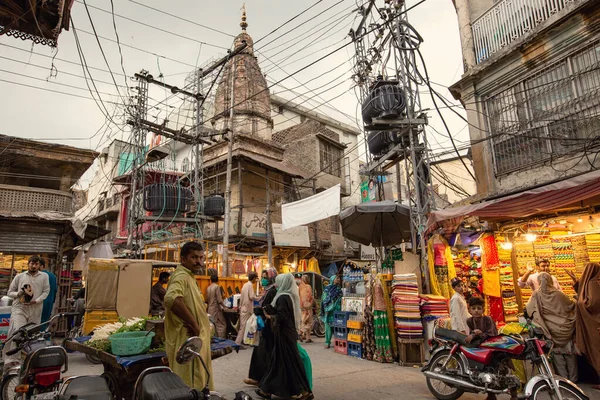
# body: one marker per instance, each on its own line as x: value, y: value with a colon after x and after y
x: 528, y: 203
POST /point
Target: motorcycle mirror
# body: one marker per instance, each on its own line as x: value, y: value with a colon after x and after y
x: 188, y: 349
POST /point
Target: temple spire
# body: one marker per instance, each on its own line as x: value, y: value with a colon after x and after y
x: 244, y: 24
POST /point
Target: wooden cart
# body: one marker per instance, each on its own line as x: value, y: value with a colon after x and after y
x: 121, y: 373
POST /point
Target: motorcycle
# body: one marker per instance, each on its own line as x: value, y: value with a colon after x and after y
x: 456, y: 367
x: 162, y: 383
x: 38, y: 372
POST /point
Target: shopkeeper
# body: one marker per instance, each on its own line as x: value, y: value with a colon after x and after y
x: 531, y: 279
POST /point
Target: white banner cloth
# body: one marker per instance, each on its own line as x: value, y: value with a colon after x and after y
x: 314, y: 208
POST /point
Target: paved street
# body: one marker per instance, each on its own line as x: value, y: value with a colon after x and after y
x: 335, y: 377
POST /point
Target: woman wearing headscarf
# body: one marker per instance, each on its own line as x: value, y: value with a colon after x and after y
x: 330, y: 303
x: 587, y: 328
x: 555, y: 314
x: 261, y: 354
x: 286, y: 376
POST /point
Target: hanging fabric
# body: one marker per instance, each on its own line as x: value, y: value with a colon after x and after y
x: 440, y: 275
x: 313, y: 266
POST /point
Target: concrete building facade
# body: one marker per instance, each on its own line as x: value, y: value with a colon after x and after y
x: 530, y: 89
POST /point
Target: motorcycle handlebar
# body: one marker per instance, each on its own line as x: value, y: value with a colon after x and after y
x: 14, y: 351
x: 25, y: 331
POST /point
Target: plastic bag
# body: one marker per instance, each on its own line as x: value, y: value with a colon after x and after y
x: 260, y: 323
x: 251, y: 335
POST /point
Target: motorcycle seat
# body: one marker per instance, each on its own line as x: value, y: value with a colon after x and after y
x: 452, y: 335
x: 164, y: 386
x: 87, y: 388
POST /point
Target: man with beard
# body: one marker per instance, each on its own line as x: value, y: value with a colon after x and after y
x: 186, y: 316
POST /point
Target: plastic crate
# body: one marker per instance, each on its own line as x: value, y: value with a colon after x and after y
x: 340, y: 346
x: 340, y: 318
x: 354, y: 324
x: 355, y: 349
x: 340, y: 333
x: 354, y: 338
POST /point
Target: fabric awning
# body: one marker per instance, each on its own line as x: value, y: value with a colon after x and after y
x: 524, y: 204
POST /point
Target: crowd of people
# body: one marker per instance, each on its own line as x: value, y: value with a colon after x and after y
x: 279, y: 365
x: 573, y: 325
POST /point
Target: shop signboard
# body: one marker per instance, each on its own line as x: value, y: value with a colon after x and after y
x: 253, y: 224
x: 356, y: 304
x: 367, y: 253
x: 293, y: 237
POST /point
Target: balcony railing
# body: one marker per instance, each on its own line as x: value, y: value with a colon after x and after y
x: 508, y: 20
x: 31, y: 199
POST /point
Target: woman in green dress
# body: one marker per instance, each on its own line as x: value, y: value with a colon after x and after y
x: 330, y: 303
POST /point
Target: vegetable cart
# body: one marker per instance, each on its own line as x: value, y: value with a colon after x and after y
x: 121, y: 373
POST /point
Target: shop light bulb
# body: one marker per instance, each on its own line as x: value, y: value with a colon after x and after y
x: 506, y: 245
x: 530, y: 237
x: 579, y: 219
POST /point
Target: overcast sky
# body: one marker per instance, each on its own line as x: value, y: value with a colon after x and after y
x: 175, y: 49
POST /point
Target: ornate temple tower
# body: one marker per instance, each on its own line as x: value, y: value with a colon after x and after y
x: 252, y: 110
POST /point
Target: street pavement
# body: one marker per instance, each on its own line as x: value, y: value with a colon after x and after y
x: 335, y: 376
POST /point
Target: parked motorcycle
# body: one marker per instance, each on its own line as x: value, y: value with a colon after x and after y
x: 38, y: 371
x: 456, y: 367
x: 162, y: 383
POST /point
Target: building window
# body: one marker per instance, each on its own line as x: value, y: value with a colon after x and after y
x: 553, y: 112
x: 331, y: 158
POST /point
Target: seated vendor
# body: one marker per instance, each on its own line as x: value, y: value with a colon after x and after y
x: 157, y: 299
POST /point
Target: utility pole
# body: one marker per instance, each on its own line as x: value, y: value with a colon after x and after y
x: 138, y: 140
x: 269, y: 232
x: 198, y: 150
x: 227, y: 217
x: 393, y: 35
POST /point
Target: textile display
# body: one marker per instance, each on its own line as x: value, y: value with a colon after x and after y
x: 407, y: 313
x: 593, y: 246
x: 389, y: 307
x: 440, y: 275
x: 526, y: 254
x: 564, y: 259
x: 433, y: 307
x: 581, y: 253
x: 313, y: 266
x: 311, y: 209
x: 507, y: 283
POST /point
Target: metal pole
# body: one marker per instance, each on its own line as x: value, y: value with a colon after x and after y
x: 198, y: 147
x: 269, y: 232
x: 226, y: 219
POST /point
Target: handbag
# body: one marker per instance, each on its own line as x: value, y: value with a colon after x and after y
x: 260, y: 323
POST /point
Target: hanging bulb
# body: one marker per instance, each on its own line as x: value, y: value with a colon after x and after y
x: 530, y: 237
x: 506, y: 245
x: 579, y: 219
x: 591, y: 222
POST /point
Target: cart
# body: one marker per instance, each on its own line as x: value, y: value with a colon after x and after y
x: 121, y: 373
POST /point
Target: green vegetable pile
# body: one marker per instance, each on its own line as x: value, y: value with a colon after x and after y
x: 104, y: 344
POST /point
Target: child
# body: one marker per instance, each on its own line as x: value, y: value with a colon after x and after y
x: 458, y: 307
x: 481, y: 326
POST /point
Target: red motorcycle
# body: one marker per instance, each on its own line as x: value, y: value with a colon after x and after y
x: 456, y: 367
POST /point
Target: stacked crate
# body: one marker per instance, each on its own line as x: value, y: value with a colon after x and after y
x: 340, y: 331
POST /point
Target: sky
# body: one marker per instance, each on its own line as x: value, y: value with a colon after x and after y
x: 176, y: 36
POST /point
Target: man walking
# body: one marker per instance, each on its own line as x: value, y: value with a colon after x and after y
x: 186, y: 316
x: 530, y: 279
x: 49, y: 301
x: 246, y: 304
x: 28, y: 290
x: 157, y: 296
x: 216, y: 306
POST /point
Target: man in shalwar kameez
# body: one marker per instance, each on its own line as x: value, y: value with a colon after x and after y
x: 186, y: 316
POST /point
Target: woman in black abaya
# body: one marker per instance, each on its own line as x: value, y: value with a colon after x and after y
x: 261, y: 355
x: 286, y: 376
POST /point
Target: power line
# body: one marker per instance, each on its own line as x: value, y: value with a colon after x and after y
x: 181, y: 19
x: 157, y: 28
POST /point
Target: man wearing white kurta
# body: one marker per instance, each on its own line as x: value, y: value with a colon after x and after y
x: 459, y: 312
x: 28, y: 290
